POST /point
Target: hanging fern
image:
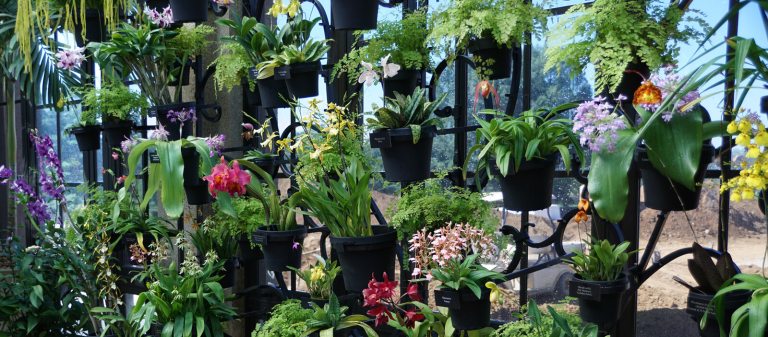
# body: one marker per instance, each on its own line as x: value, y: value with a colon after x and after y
x: 612, y: 34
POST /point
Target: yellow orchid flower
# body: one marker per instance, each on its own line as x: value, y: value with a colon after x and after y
x: 495, y: 292
x: 276, y: 9
x: 293, y: 8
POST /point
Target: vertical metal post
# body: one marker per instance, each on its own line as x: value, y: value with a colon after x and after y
x: 725, y: 161
x: 460, y: 117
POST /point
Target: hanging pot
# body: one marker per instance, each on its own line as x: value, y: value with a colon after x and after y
x: 195, y: 188
x: 403, y: 160
x: 273, y: 93
x: 88, y: 137
x: 697, y: 306
x: 599, y: 302
x: 665, y: 195
x: 129, y: 268
x: 530, y: 187
x: 115, y: 132
x: 189, y: 10
x: 175, y: 129
x: 251, y: 98
x: 354, y: 14
x: 300, y: 79
x: 467, y: 312
x: 405, y: 82
x: 227, y: 272
x: 498, y: 58
x: 269, y: 164
x: 361, y: 257
x: 278, y: 246
x: 95, y: 27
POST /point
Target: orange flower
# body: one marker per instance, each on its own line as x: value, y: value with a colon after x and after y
x: 647, y: 93
x: 581, y: 215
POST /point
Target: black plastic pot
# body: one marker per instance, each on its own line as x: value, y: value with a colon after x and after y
x: 191, y: 160
x: 245, y: 252
x: 498, y: 57
x: 697, y: 306
x: 403, y: 160
x: 175, y: 129
x: 354, y: 14
x: 599, y: 302
x: 665, y: 195
x: 128, y: 268
x: 189, y: 10
x: 251, y: 98
x: 530, y: 187
x: 761, y: 201
x: 269, y: 165
x: 361, y: 257
x: 197, y: 194
x: 115, y: 132
x: 467, y: 312
x: 95, y: 27
x: 277, y: 246
x: 88, y: 137
x: 404, y: 82
x: 273, y: 93
x: 300, y: 79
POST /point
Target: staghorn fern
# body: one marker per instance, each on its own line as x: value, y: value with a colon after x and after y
x: 412, y: 111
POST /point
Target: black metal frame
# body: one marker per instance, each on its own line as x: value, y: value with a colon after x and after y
x: 522, y: 60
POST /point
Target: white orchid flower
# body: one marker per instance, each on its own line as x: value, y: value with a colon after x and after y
x: 369, y: 76
x: 389, y: 69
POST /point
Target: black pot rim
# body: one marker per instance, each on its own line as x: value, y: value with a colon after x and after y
x: 166, y: 107
x: 483, y: 43
x: 404, y: 73
x: 84, y: 128
x: 379, y: 232
x: 304, y: 67
x: 606, y: 287
x: 467, y: 294
x: 117, y: 124
x: 406, y: 133
x: 527, y: 165
x: 271, y: 234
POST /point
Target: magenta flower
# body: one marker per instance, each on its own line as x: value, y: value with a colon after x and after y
x: 51, y: 174
x: 229, y: 180
x: 70, y: 59
x: 115, y: 156
x: 182, y: 116
x: 295, y: 245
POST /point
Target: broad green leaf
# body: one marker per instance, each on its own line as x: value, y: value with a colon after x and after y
x: 608, y: 183
x: 172, y: 183
x: 674, y: 153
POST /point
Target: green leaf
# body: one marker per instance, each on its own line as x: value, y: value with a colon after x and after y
x: 674, y: 153
x: 608, y: 185
x: 172, y: 183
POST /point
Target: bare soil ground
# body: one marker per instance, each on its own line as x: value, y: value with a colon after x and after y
x: 661, y: 301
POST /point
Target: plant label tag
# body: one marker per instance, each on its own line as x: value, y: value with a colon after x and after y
x: 253, y: 72
x: 154, y: 158
x: 448, y: 299
x: 258, y: 239
x: 585, y: 291
x: 381, y: 140
x: 283, y: 73
x: 697, y: 307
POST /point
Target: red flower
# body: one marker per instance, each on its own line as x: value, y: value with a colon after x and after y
x: 411, y: 317
x: 413, y: 292
x: 230, y: 180
x: 382, y: 314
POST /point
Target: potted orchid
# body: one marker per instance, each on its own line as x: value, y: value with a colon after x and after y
x: 404, y: 42
x: 411, y: 318
x: 676, y: 155
x: 522, y: 151
x: 176, y: 174
x: 157, y: 55
x: 319, y: 279
x: 453, y: 255
x: 403, y: 130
